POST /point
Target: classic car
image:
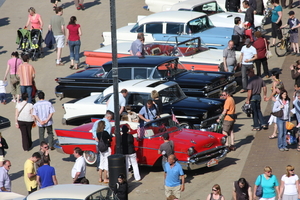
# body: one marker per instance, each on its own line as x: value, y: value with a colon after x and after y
x: 192, y: 112
x: 165, y: 5
x: 193, y: 148
x: 163, y: 25
x: 194, y: 83
x: 74, y: 192
x: 216, y: 14
x: 193, y: 54
x: 4, y: 123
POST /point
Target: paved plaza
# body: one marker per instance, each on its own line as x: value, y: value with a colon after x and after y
x: 254, y: 150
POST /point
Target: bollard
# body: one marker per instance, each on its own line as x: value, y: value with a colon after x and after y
x: 116, y: 166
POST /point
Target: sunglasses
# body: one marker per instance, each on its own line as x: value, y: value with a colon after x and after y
x: 292, y: 170
x: 46, y: 147
x: 214, y: 189
x: 269, y: 172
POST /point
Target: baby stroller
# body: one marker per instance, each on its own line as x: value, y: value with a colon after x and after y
x: 30, y: 42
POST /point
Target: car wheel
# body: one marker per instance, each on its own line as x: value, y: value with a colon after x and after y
x: 186, y: 125
x: 90, y: 157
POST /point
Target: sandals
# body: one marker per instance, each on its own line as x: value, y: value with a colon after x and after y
x: 232, y: 148
x: 256, y: 129
x: 273, y: 137
x: 265, y: 127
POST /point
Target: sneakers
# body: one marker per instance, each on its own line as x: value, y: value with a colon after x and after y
x: 286, y: 149
x: 81, y: 6
x: 281, y: 149
x: 78, y: 8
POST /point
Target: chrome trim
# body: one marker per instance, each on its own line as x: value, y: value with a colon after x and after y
x: 59, y: 94
x: 58, y: 148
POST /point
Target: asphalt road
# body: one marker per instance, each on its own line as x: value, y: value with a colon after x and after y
x: 94, y: 20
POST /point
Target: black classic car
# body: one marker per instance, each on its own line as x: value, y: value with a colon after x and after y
x: 193, y: 83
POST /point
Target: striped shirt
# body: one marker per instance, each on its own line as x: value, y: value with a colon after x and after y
x: 26, y: 73
x: 42, y: 109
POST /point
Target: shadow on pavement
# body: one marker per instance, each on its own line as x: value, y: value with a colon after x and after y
x: 91, y: 4
x: 4, y: 21
x: 16, y: 175
x: 244, y: 141
x: 71, y: 158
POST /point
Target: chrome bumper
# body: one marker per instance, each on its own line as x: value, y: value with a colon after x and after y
x: 59, y: 95
x: 58, y: 148
x: 193, y: 164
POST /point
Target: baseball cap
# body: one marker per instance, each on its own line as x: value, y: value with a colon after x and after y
x: 247, y: 41
x: 247, y: 24
x: 291, y: 12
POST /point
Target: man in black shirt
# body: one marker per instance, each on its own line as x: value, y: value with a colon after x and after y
x: 249, y: 16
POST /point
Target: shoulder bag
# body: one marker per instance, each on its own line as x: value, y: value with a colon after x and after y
x: 259, y: 189
x: 278, y: 113
x: 268, y: 52
x: 15, y: 78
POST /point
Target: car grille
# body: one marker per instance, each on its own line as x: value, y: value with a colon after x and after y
x: 216, y: 93
x: 204, y: 157
x: 219, y: 83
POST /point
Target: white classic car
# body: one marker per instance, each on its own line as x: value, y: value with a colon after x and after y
x: 164, y: 26
x: 216, y: 14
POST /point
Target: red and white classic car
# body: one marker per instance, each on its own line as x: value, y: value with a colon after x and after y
x: 194, y: 149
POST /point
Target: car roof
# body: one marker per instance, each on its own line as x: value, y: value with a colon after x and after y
x: 141, y: 86
x: 150, y: 61
x: 68, y: 191
x: 189, y: 4
x: 171, y: 16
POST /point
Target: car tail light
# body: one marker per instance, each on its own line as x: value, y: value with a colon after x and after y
x: 56, y: 79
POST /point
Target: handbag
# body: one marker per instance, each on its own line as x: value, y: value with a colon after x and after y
x: 259, y: 189
x: 268, y: 52
x: 278, y: 113
x: 15, y: 78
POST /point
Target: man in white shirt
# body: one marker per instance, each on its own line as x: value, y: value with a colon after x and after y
x: 248, y: 55
x: 79, y: 168
x: 122, y: 101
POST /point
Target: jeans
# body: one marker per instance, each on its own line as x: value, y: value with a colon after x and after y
x: 264, y: 62
x: 230, y: 68
x: 50, y: 134
x: 28, y: 90
x: 258, y: 119
x: 244, y: 75
x: 281, y: 133
x: 74, y: 50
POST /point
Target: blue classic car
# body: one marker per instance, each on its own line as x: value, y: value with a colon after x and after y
x: 163, y: 26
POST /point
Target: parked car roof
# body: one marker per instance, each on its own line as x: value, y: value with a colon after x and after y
x: 135, y: 61
x: 171, y: 16
x: 66, y: 191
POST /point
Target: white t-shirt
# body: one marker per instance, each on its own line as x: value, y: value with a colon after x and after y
x: 248, y: 54
x: 25, y: 115
x: 122, y: 102
x: 290, y: 184
x: 79, y: 166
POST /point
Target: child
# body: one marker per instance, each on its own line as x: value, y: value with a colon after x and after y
x: 294, y: 25
x: 3, y: 145
x: 3, y: 84
x: 248, y: 31
x: 121, y: 188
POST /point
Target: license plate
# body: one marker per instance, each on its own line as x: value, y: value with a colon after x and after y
x: 212, y: 162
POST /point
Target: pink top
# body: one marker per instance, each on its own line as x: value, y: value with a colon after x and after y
x: 73, y: 32
x: 35, y: 21
x: 12, y: 65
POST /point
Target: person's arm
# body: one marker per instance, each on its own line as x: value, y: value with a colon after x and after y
x: 281, y: 189
x: 182, y: 183
x: 76, y: 176
x: 67, y: 36
x: 28, y: 22
x: 277, y: 190
x: 254, y: 192
x: 280, y: 16
x: 224, y: 61
x: 284, y: 26
x: 208, y: 197
x: 277, y: 106
x: 38, y: 181
x: 265, y: 92
x: 250, y: 193
x: 79, y: 31
x: 6, y: 73
x: 143, y: 118
x: 54, y: 180
x: 63, y: 29
x: 234, y: 192
x: 241, y: 57
x: 30, y: 175
x: 41, y: 22
x: 49, y: 27
x: 252, y: 59
x: 249, y: 94
x: 122, y: 109
x: 297, y: 187
x: 48, y: 118
x: 16, y: 118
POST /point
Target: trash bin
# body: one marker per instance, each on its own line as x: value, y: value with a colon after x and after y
x: 116, y: 166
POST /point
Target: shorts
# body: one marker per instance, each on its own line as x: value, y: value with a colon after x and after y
x: 60, y: 41
x: 104, y: 159
x: 276, y: 31
x: 228, y: 126
x: 1, y: 158
x: 294, y: 37
x: 173, y: 191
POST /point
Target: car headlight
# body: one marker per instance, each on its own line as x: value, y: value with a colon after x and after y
x: 191, y: 151
x: 223, y: 140
x: 204, y: 115
x: 208, y: 87
x: 231, y: 78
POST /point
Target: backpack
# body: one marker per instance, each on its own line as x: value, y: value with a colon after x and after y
x: 102, y: 147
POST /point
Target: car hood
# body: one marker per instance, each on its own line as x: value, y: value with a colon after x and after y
x: 197, y: 102
x: 198, y: 77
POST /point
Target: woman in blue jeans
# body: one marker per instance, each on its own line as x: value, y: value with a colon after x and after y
x: 73, y: 33
x: 282, y: 104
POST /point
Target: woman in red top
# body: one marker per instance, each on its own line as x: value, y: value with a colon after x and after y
x: 73, y: 33
x: 261, y: 46
x: 34, y: 19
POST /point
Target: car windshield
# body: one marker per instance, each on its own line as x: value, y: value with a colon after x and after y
x: 199, y: 25
x: 99, y: 73
x: 209, y: 8
x: 172, y: 94
x: 171, y: 68
x: 159, y: 126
